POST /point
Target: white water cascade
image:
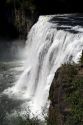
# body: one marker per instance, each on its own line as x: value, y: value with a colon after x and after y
x: 46, y: 49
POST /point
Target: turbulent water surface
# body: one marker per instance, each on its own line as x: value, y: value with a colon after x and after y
x: 52, y: 41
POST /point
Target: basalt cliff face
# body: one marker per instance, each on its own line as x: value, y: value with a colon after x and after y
x: 66, y: 95
x: 16, y: 18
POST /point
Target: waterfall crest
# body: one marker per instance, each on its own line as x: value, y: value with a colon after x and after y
x: 47, y: 47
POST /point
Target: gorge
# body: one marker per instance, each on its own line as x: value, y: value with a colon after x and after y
x: 52, y: 41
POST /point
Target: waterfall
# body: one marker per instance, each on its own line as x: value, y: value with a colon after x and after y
x: 47, y: 47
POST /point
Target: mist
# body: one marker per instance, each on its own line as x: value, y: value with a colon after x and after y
x: 11, y: 50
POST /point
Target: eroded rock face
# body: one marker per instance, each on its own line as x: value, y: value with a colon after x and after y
x: 63, y: 88
x: 16, y: 19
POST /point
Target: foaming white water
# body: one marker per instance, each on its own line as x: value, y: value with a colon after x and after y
x: 46, y: 49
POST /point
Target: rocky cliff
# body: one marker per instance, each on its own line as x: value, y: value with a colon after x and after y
x: 16, y: 18
x: 66, y: 96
